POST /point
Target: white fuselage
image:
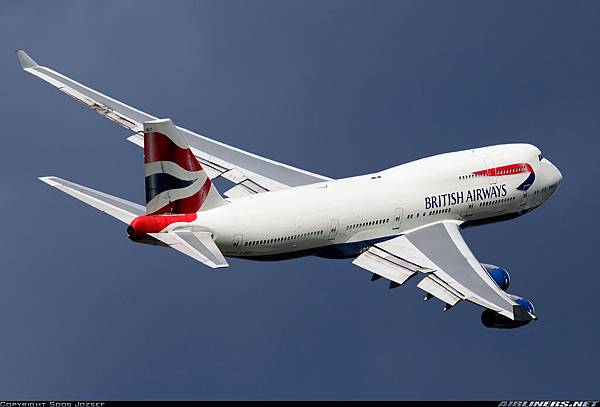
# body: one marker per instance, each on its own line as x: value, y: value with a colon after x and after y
x: 340, y: 218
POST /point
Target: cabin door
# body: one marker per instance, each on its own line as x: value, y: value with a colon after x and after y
x: 236, y: 246
x: 491, y: 170
x: 470, y: 210
x: 397, y: 218
x: 333, y: 229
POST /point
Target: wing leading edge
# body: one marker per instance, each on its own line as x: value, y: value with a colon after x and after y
x: 251, y: 173
x: 452, y: 273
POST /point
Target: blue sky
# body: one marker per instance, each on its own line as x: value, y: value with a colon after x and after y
x: 339, y: 88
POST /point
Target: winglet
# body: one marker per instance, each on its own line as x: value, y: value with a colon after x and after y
x: 25, y: 60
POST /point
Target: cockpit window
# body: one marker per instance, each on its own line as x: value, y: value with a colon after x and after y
x: 540, y: 157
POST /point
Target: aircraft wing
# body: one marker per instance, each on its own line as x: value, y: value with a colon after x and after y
x: 250, y: 172
x: 198, y: 245
x: 452, y: 273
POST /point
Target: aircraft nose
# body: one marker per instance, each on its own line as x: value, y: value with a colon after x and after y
x: 555, y: 178
x: 557, y: 175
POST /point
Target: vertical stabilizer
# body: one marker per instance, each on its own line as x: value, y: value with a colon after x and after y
x: 175, y: 180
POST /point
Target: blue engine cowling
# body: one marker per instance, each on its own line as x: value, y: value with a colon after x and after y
x: 499, y: 275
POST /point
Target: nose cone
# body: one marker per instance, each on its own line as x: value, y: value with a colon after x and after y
x: 554, y: 179
x: 556, y: 174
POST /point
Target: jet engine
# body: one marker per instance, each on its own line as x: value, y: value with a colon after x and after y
x: 491, y: 319
x: 499, y: 275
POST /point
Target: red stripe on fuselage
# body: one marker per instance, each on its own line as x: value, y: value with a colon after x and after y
x: 510, y: 169
x: 159, y: 147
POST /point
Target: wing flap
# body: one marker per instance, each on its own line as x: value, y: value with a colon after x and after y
x: 436, y: 287
x: 384, y: 265
x: 198, y: 245
x: 244, y: 188
x: 402, y: 248
x: 238, y: 191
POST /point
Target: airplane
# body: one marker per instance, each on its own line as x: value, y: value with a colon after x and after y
x: 398, y: 223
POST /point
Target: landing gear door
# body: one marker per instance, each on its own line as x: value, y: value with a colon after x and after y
x: 333, y: 229
x: 397, y: 218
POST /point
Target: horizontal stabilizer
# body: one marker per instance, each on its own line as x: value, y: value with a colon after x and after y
x: 198, y: 245
x: 118, y: 208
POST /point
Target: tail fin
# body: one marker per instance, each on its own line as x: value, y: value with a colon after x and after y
x: 175, y: 180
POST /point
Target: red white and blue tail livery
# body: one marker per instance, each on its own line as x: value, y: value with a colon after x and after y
x: 406, y: 222
x: 175, y: 180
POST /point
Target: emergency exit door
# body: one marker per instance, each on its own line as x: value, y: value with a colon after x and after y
x: 333, y: 229
x: 398, y: 213
x: 236, y: 245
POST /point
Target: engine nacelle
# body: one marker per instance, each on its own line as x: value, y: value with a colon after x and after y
x: 528, y: 305
x: 499, y: 275
x: 491, y: 319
